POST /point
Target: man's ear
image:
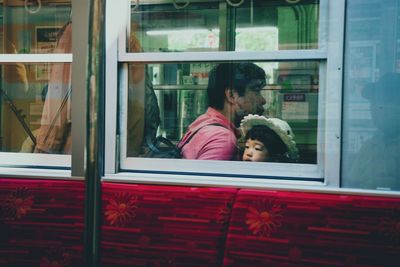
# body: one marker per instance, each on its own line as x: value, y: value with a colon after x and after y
x: 229, y: 95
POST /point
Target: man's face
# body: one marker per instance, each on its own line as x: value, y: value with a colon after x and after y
x: 251, y: 102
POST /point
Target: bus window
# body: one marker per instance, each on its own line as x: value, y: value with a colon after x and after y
x: 371, y: 126
x: 32, y: 27
x: 35, y: 81
x: 272, y: 62
x: 289, y: 92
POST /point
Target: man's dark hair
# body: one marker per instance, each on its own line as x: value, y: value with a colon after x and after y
x: 273, y: 143
x: 235, y: 76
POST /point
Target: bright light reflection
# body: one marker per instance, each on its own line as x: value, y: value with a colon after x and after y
x: 179, y: 32
x: 214, y: 30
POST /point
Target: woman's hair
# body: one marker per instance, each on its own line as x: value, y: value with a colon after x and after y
x: 276, y: 148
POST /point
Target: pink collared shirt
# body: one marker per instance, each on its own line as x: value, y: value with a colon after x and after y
x: 211, y: 142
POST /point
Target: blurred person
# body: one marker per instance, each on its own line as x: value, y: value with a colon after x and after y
x: 143, y: 109
x: 54, y: 134
x: 377, y: 163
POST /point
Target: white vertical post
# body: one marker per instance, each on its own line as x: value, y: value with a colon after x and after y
x: 334, y: 80
x: 80, y: 30
x: 117, y: 21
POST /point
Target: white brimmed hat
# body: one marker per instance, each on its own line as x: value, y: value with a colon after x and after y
x: 280, y: 127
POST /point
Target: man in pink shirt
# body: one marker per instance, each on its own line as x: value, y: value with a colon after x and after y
x: 233, y: 92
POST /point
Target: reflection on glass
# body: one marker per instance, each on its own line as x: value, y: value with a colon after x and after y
x: 35, y: 107
x: 180, y: 90
x: 371, y: 122
x: 256, y: 25
x: 163, y: 28
x: 31, y: 27
x: 277, y: 25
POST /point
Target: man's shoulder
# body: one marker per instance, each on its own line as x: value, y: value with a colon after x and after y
x: 215, y: 135
x: 210, y: 118
x: 215, y: 130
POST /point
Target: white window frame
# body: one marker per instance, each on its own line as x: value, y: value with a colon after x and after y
x: 325, y: 172
x: 9, y: 159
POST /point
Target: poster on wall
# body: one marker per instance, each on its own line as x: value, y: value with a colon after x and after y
x: 46, y: 41
x: 295, y: 107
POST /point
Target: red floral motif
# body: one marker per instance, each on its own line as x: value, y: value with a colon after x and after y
x: 264, y: 218
x: 55, y: 257
x: 121, y: 209
x: 391, y: 229
x: 18, y: 203
x: 224, y: 213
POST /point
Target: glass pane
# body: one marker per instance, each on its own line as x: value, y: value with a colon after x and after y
x: 163, y: 28
x: 277, y: 25
x: 371, y: 123
x: 35, y: 108
x: 255, y: 25
x: 30, y: 27
x: 167, y: 100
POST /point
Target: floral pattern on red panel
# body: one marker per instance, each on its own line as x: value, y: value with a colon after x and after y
x: 55, y: 257
x: 18, y: 203
x: 391, y: 228
x: 224, y: 213
x: 121, y: 209
x: 264, y: 217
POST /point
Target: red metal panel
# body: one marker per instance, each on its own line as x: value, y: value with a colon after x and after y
x: 271, y: 228
x: 41, y: 223
x: 164, y: 225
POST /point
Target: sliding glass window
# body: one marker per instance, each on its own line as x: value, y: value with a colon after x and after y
x: 196, y: 76
x: 35, y: 99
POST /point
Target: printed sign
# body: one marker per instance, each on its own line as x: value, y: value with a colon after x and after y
x: 294, y: 97
x: 295, y: 107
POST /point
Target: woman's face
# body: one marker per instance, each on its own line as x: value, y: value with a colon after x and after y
x: 255, y: 151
